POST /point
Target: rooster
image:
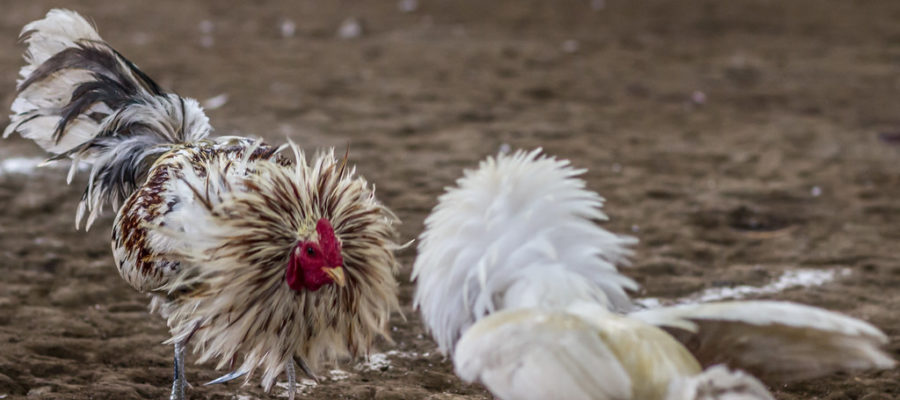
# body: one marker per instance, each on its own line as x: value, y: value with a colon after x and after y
x: 519, y: 284
x: 256, y: 259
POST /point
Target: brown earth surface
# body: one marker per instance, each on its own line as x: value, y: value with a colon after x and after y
x: 736, y: 139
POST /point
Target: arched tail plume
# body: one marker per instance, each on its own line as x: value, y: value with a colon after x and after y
x: 79, y: 98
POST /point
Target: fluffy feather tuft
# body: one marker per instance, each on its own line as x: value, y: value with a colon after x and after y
x: 517, y: 232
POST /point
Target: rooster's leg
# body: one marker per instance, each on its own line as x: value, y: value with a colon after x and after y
x: 179, y: 381
x: 292, y: 379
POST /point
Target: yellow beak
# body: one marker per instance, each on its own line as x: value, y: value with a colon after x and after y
x: 337, y: 275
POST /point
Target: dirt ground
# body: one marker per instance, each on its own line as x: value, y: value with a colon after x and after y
x: 736, y: 139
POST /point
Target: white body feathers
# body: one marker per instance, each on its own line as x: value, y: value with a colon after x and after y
x: 519, y: 284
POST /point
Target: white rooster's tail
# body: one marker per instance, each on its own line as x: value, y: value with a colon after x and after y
x: 79, y: 98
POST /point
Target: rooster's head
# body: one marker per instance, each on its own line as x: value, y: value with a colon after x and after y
x: 316, y: 261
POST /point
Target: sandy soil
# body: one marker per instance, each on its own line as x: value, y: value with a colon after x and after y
x: 736, y: 139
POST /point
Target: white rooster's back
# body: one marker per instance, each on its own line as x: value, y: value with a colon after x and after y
x: 517, y: 232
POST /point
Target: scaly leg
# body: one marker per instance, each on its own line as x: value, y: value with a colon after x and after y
x: 292, y: 379
x: 179, y: 382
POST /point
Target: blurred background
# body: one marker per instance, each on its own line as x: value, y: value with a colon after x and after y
x: 741, y: 141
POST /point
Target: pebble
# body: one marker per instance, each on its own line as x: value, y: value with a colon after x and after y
x: 351, y: 28
x: 288, y: 28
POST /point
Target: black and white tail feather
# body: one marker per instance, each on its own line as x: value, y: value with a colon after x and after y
x: 79, y: 98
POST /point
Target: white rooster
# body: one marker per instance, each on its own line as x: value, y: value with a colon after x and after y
x: 517, y: 281
x: 255, y: 260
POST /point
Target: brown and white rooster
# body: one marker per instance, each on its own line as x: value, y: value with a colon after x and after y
x: 256, y: 260
x: 519, y: 284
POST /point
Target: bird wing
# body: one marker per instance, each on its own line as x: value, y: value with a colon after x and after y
x: 527, y: 354
x: 582, y: 352
x: 519, y: 228
x: 152, y: 223
x: 777, y: 341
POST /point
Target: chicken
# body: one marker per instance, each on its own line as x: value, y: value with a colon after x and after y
x: 256, y: 259
x: 518, y: 283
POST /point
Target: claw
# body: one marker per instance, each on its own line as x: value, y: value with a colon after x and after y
x: 306, y: 370
x: 227, y: 377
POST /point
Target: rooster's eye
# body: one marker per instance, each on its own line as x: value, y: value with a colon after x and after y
x: 310, y: 251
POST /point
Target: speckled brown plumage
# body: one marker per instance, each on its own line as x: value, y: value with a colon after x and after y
x: 151, y: 203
